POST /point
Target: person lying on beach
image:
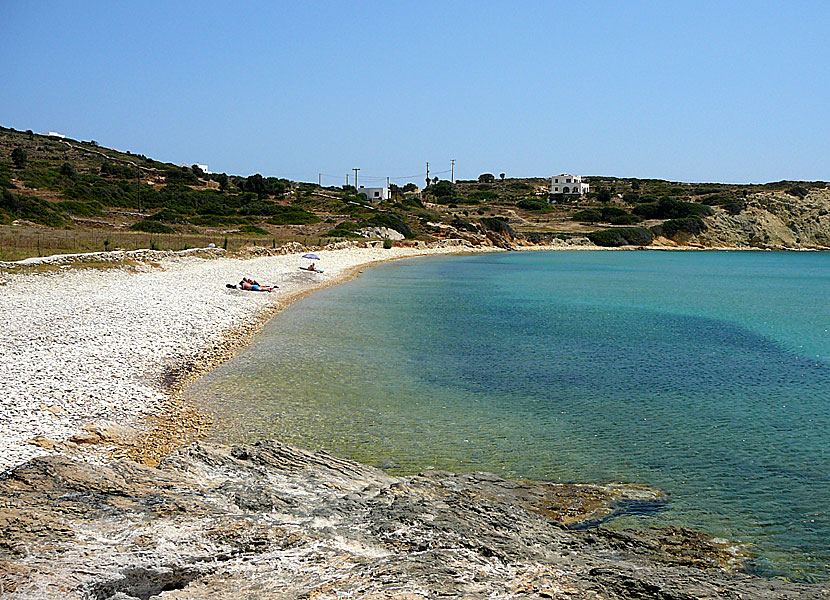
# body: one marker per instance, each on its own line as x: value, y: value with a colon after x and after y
x: 311, y: 267
x: 253, y: 286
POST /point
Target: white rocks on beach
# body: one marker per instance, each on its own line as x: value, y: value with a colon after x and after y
x: 81, y: 346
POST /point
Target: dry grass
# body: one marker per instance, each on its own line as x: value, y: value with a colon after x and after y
x: 24, y: 241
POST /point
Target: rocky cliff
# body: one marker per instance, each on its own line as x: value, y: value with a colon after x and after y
x: 773, y: 220
x: 273, y: 521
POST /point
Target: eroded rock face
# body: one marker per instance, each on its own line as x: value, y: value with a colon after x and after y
x: 273, y: 521
x: 775, y: 221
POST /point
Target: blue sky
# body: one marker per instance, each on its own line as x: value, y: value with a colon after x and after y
x: 688, y: 91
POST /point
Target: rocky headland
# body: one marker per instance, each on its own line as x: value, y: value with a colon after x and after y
x: 273, y: 521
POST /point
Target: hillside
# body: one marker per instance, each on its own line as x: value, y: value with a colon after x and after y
x: 64, y: 195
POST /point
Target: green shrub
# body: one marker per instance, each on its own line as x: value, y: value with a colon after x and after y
x: 533, y: 204
x: 254, y: 229
x: 671, y: 208
x: 799, y: 191
x: 5, y: 177
x: 391, y: 221
x: 151, y: 226
x: 169, y: 216
x: 498, y: 225
x: 689, y: 225
x: 291, y: 215
x: 387, y: 244
x: 444, y: 191
x: 81, y: 209
x: 118, y: 170
x: 180, y: 175
x: 31, y: 209
x: 482, y: 196
x: 590, y: 215
x: 19, y: 157
x: 463, y: 225
x: 346, y: 229
x: 625, y: 219
x: 735, y: 206
x: 623, y: 236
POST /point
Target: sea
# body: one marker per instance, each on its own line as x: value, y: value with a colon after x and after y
x: 705, y: 374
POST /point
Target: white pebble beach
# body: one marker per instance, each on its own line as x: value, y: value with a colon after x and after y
x: 81, y: 346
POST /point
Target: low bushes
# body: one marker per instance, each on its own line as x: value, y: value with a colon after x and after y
x: 346, y: 229
x: 291, y: 215
x: 498, y: 225
x: 254, y: 229
x: 30, y: 209
x: 623, y: 236
x: 81, y: 209
x: 607, y: 214
x: 673, y: 227
x: 533, y: 204
x: 151, y: 226
x: 391, y: 221
x: 671, y: 208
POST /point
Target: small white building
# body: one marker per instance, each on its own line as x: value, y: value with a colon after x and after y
x: 568, y: 184
x: 374, y: 194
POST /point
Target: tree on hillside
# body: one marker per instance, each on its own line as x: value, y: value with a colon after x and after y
x: 410, y: 187
x: 19, y: 157
x: 486, y: 178
x: 67, y: 170
x: 501, y: 175
x: 444, y: 191
x: 255, y: 184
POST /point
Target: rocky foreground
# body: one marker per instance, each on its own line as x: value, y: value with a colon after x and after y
x: 273, y: 521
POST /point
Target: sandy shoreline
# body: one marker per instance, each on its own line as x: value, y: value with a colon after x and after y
x: 98, y: 358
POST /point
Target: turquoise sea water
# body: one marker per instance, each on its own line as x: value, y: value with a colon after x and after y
x: 705, y: 374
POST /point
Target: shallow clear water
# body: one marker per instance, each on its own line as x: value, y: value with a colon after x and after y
x: 705, y: 374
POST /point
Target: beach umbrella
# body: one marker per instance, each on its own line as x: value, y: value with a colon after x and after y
x: 311, y: 256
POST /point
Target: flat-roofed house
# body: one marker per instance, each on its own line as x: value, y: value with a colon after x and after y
x: 568, y: 184
x: 374, y: 194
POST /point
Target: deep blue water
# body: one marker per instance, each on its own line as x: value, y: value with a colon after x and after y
x: 705, y: 374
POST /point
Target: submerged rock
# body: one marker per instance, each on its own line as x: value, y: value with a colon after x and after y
x: 273, y: 521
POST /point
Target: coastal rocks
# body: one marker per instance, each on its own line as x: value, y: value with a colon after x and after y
x: 773, y: 221
x: 381, y: 232
x: 274, y: 521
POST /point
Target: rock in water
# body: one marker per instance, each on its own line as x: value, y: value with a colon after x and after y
x: 273, y: 521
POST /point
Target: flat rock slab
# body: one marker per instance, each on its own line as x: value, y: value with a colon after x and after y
x: 274, y: 521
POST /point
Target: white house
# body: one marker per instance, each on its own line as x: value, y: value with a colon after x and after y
x: 374, y: 194
x: 568, y: 184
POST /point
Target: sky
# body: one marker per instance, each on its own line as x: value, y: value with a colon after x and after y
x: 734, y: 92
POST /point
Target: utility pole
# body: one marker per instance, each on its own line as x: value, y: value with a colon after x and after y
x: 319, y: 180
x: 355, y: 177
x: 139, y: 188
x: 347, y: 180
x: 452, y: 170
x: 387, y: 183
x: 427, y: 174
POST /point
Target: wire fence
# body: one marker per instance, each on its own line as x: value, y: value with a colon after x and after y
x: 18, y: 243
